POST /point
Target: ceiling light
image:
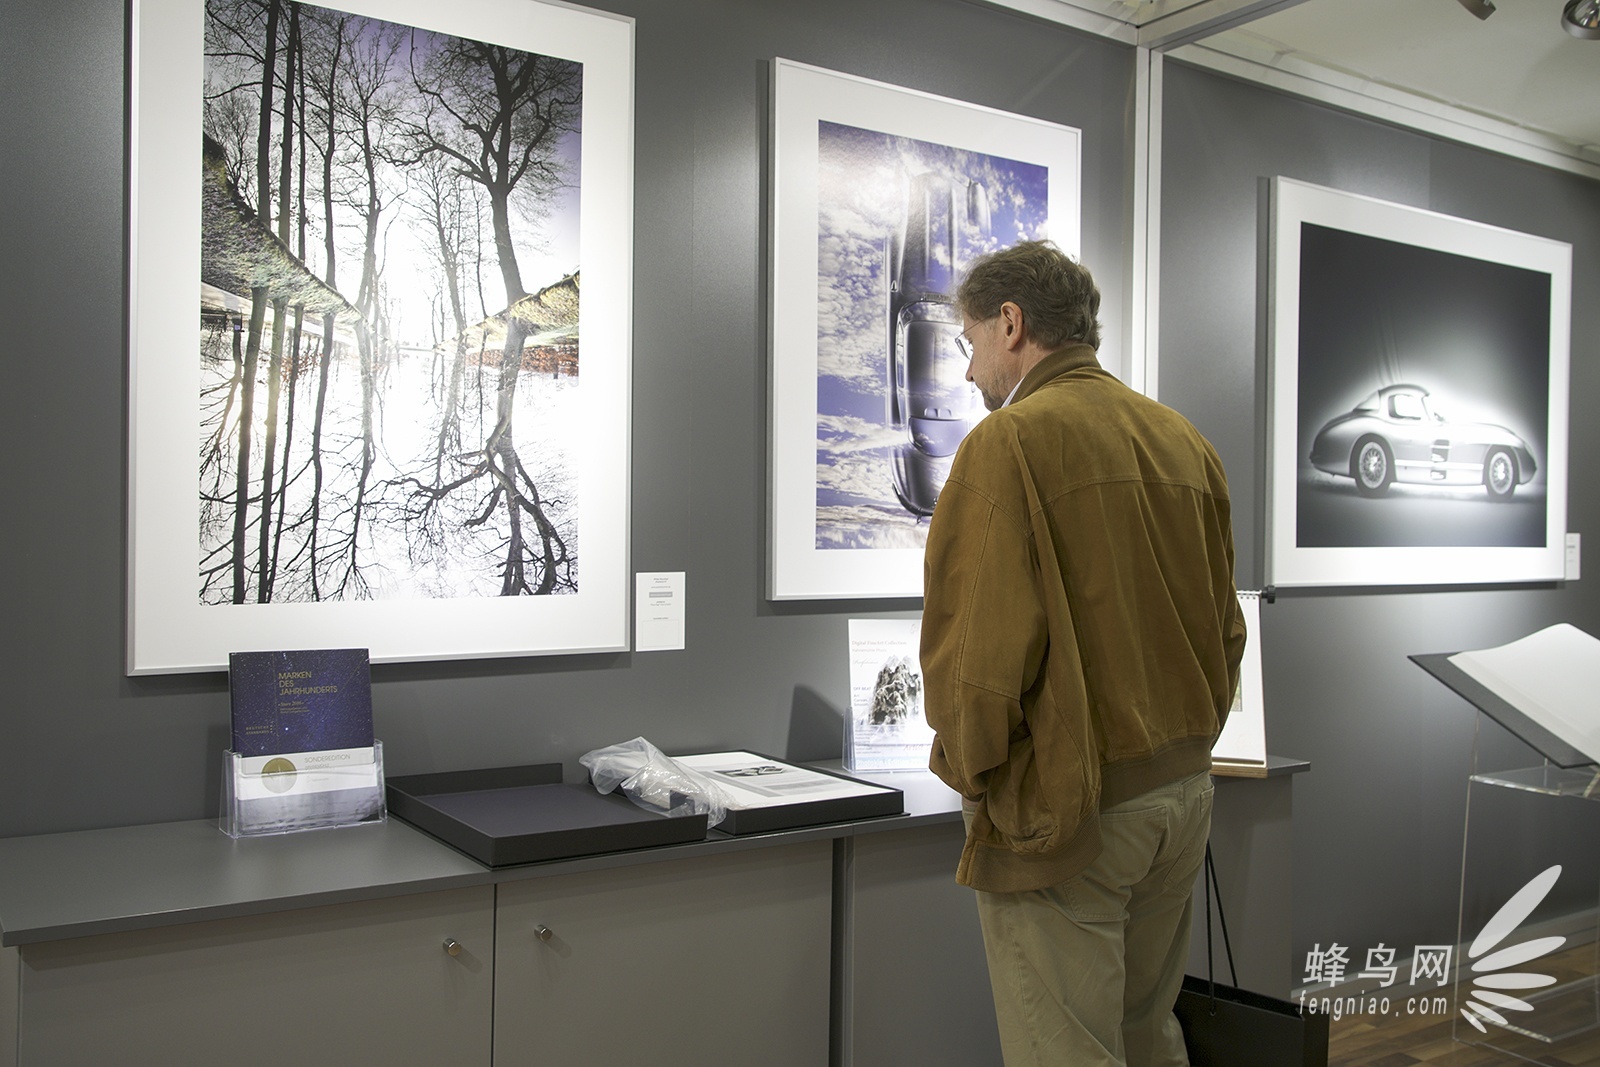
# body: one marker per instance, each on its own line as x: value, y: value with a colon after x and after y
x: 1581, y: 18
x: 1481, y: 8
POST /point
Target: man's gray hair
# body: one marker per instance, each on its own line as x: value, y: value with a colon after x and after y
x: 1057, y: 295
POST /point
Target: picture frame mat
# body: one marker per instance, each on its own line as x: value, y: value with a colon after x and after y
x: 169, y: 631
x: 803, y: 96
x: 1293, y: 203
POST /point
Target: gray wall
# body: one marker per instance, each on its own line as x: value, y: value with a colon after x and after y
x: 83, y: 746
x: 1379, y: 817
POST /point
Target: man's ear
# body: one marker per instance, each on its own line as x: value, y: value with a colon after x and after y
x: 1013, y: 329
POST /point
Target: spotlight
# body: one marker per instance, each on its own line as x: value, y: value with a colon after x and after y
x: 1581, y: 18
x: 1481, y: 8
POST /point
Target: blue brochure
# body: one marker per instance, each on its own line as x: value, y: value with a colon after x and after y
x: 306, y: 701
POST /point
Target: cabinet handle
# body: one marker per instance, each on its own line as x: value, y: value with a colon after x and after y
x: 452, y: 947
x: 543, y: 933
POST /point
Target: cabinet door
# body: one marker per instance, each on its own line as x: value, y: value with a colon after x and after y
x: 698, y: 962
x: 915, y: 975
x: 371, y: 982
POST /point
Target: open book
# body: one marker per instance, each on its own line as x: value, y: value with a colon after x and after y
x: 1552, y: 677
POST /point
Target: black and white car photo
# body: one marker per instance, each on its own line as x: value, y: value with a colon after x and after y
x: 1395, y: 435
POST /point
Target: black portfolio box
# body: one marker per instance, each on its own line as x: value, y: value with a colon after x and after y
x: 506, y: 815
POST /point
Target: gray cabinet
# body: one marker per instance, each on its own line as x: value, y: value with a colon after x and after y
x: 714, y: 959
x: 711, y: 954
x: 352, y: 983
x: 848, y: 944
x: 914, y: 979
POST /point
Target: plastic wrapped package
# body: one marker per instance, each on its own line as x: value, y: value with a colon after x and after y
x: 655, y: 781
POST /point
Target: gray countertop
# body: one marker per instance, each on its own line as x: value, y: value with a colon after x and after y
x: 56, y: 886
x: 102, y: 881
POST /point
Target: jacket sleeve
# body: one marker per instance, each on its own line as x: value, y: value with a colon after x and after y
x: 983, y: 634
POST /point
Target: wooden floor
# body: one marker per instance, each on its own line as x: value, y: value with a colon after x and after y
x: 1390, y: 1041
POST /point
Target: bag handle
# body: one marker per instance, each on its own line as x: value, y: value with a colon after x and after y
x: 1211, y: 978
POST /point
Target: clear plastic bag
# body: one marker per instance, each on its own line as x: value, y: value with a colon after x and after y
x: 655, y: 781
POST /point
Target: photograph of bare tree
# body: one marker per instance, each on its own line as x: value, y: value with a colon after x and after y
x: 410, y: 227
x: 389, y: 310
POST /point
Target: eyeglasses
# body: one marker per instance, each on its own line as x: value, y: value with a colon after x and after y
x: 964, y: 343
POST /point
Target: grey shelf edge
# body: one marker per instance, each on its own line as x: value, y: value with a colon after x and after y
x: 80, y: 884
x: 59, y: 886
x: 1281, y: 765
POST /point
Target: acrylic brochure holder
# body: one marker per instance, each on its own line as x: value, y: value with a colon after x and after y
x: 305, y: 791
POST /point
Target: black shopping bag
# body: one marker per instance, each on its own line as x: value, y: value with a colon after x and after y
x: 1238, y: 1028
x: 1224, y: 1026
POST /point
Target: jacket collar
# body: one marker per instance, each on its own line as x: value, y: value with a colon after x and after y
x: 1075, y: 356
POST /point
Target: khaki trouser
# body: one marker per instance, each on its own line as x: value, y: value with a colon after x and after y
x: 1085, y: 973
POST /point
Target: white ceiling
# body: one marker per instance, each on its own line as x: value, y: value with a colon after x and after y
x: 1516, y: 81
x: 1517, y: 66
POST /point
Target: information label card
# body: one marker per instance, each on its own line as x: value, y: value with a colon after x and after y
x: 887, y: 730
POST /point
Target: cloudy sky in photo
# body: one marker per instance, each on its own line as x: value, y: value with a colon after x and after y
x: 862, y: 180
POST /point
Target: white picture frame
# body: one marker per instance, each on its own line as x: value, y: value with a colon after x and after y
x: 1371, y: 305
x: 169, y: 629
x: 804, y: 99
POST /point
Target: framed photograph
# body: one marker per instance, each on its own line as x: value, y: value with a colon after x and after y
x: 1418, y: 393
x: 397, y: 415
x: 881, y: 196
x: 766, y: 794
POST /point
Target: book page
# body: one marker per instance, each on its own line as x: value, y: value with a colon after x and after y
x: 1551, y: 676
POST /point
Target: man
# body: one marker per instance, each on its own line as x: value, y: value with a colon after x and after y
x: 1081, y: 641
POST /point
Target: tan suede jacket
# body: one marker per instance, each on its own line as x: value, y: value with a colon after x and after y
x: 1081, y: 636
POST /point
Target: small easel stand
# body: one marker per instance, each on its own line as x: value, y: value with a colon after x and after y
x: 308, y: 791
x: 1527, y: 966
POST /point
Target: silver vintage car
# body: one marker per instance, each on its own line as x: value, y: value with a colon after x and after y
x: 929, y: 399
x: 1394, y: 435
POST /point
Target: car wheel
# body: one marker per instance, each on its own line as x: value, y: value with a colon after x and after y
x: 1500, y: 474
x: 1372, y: 466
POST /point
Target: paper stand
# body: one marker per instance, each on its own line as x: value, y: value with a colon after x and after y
x: 290, y: 799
